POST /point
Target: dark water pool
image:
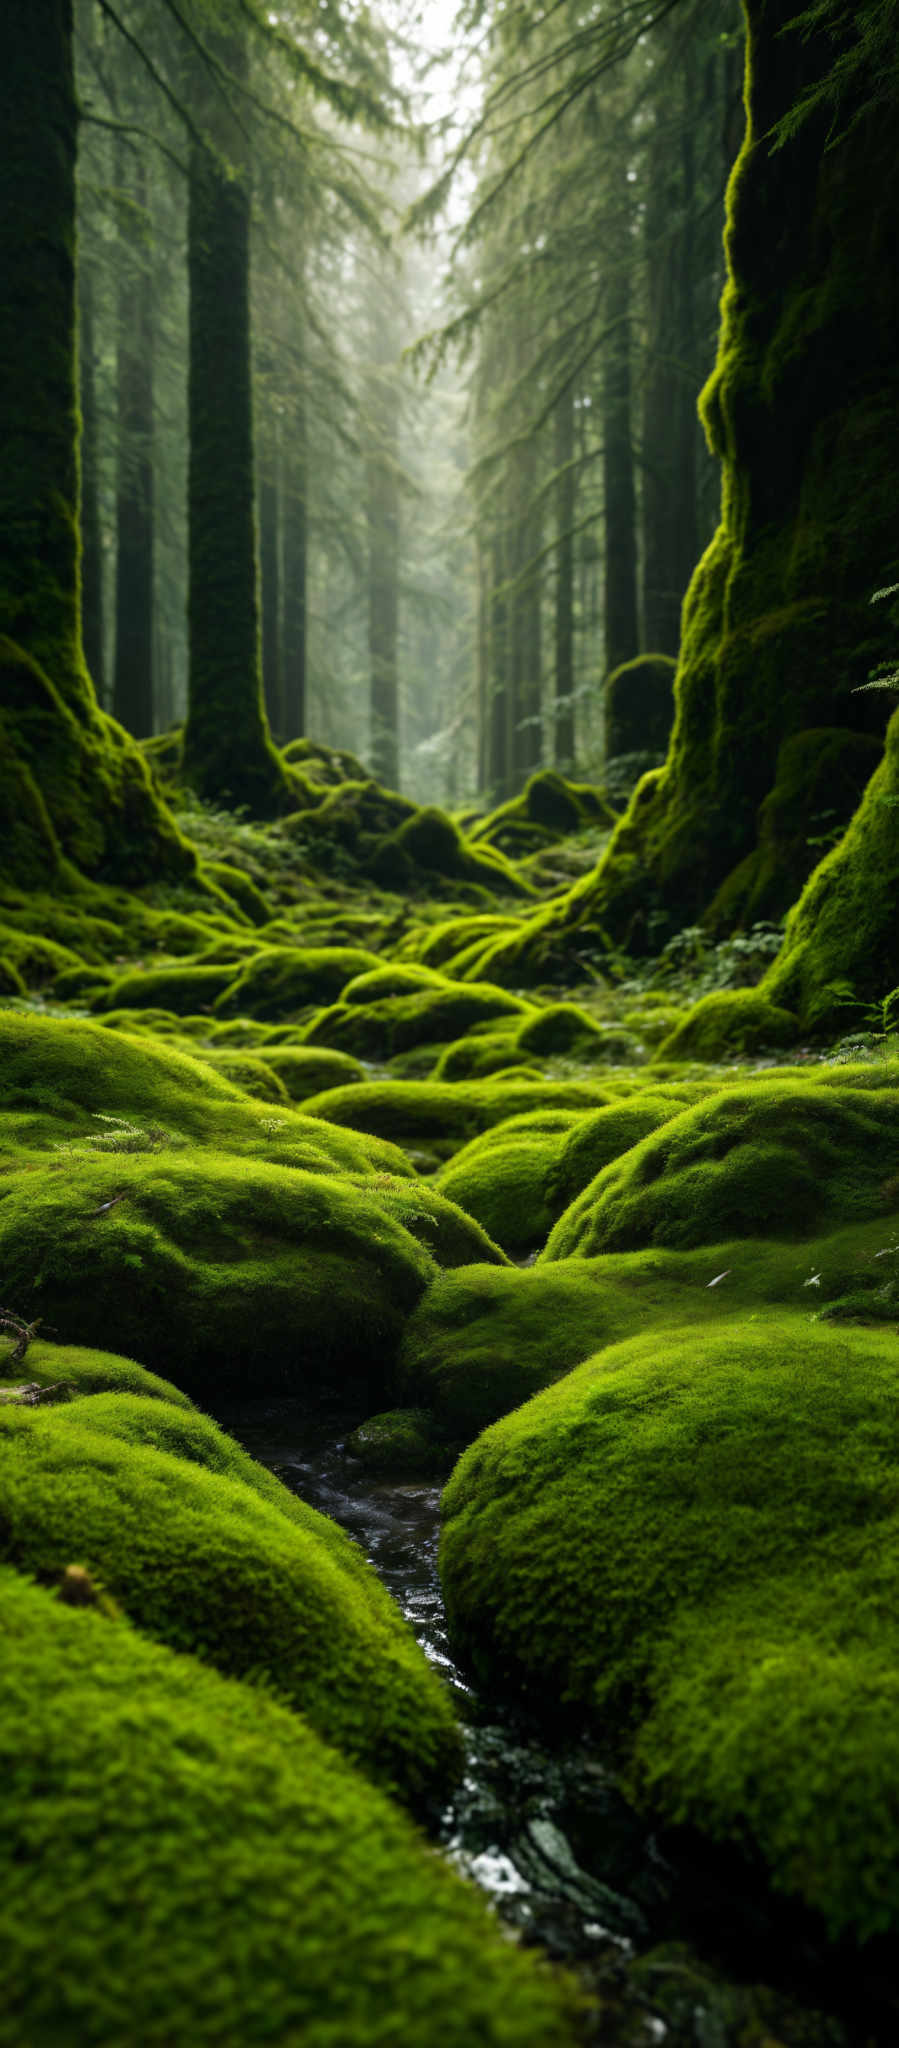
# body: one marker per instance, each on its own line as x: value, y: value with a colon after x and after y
x: 682, y: 1947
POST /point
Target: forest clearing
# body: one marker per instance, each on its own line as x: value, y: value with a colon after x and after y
x: 449, y: 1116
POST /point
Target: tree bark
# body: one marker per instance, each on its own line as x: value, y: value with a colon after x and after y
x: 92, y: 605
x: 382, y: 509
x: 132, y: 701
x: 620, y: 610
x: 566, y: 503
x: 296, y: 569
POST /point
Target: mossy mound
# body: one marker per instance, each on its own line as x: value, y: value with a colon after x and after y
x: 440, y: 943
x: 434, y: 1009
x: 481, y: 1341
x: 443, y: 1114
x: 250, y: 1073
x: 326, y: 766
x: 158, y: 1509
x: 442, y: 1226
x: 283, y: 1900
x: 306, y: 1070
x: 428, y: 844
x: 184, y: 991
x: 727, y: 1022
x: 502, y: 1177
x: 638, y: 706
x: 64, y: 1081
x: 560, y: 1028
x: 776, y: 1158
x: 220, y: 1272
x: 84, y: 1371
x: 519, y: 1177
x: 401, y: 1443
x: 547, y: 809
x: 731, y: 1500
x: 241, y: 891
x: 480, y: 1054
x: 279, y: 982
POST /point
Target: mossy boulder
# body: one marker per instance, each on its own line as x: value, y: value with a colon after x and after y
x: 83, y: 1371
x: 638, y: 706
x: 502, y: 1177
x: 442, y: 1115
x: 221, y: 1273
x: 239, y: 889
x: 731, y: 1501
x: 375, y: 1025
x: 429, y: 844
x: 185, y: 991
x: 548, y: 808
x: 560, y: 1028
x: 479, y: 1054
x: 142, y: 1774
x: 727, y: 1022
x: 280, y: 981
x: 254, y: 1075
x: 168, y: 1516
x: 401, y: 1443
x: 441, y: 942
x: 305, y: 1070
x: 327, y: 766
x: 774, y: 1158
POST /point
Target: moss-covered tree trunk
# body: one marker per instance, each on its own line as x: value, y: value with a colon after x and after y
x: 228, y: 753
x: 70, y: 781
x: 132, y: 699
x: 803, y: 411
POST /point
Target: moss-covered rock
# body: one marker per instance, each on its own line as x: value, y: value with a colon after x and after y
x: 306, y: 1070
x: 548, y: 808
x: 440, y: 943
x: 401, y: 1443
x: 560, y: 1028
x: 280, y: 981
x: 241, y: 891
x: 727, y: 1022
x: 184, y: 991
x: 143, y: 1775
x: 375, y: 1026
x: 502, y: 1177
x: 169, y: 1517
x: 84, y: 1371
x: 731, y: 1502
x: 429, y: 844
x: 480, y: 1054
x: 70, y: 1082
x: 219, y: 1272
x: 775, y: 1158
x: 638, y: 706
x: 441, y: 1114
x: 481, y: 1341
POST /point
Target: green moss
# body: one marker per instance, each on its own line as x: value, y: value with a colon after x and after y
x: 222, y: 1273
x: 840, y: 938
x: 279, y: 982
x: 443, y: 1114
x: 548, y: 808
x: 440, y: 943
x: 770, y: 1159
x: 60, y: 1078
x: 731, y: 1020
x: 819, y: 781
x: 638, y: 706
x: 400, y: 1443
x: 480, y: 1342
x: 182, y: 990
x: 327, y: 766
x: 159, y: 1510
x: 732, y: 1503
x: 435, y: 1009
x: 242, y: 891
x: 142, y: 1774
x: 479, y: 1055
x: 306, y: 1070
x: 427, y: 844
x: 253, y: 1075
x: 560, y: 1028
x: 502, y: 1177
x: 85, y: 1371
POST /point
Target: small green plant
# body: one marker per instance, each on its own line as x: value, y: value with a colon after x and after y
x: 886, y: 677
x: 121, y: 1135
x: 878, y: 1033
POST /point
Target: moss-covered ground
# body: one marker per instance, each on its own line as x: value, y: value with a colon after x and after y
x: 291, y: 1125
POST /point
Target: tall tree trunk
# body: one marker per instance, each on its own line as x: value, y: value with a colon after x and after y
x: 94, y: 799
x: 132, y: 700
x: 498, y: 778
x: 621, y: 633
x: 228, y: 753
x: 91, y: 542
x: 270, y: 572
x: 382, y: 509
x: 525, y: 705
x: 483, y: 663
x: 566, y: 501
x: 296, y: 570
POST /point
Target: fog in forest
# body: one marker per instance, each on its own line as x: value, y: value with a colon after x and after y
x: 485, y: 264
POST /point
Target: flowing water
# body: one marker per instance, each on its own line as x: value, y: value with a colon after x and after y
x: 681, y: 1946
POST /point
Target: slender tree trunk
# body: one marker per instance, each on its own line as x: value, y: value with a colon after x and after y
x: 296, y: 552
x: 483, y: 664
x: 132, y: 700
x: 228, y: 753
x: 566, y: 500
x: 525, y: 705
x: 498, y: 636
x: 383, y: 584
x: 91, y: 542
x: 40, y: 595
x: 621, y: 633
x: 270, y: 571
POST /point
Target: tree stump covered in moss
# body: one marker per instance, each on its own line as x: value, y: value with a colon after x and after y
x: 639, y: 706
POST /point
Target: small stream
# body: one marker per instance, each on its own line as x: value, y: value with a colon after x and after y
x: 682, y: 1945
